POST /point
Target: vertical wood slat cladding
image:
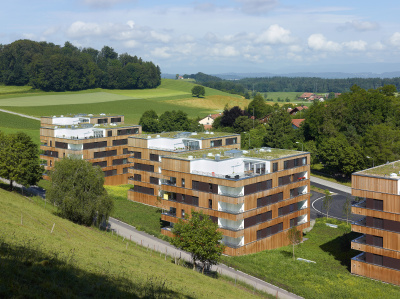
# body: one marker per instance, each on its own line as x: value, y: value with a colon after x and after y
x: 377, y: 184
x: 382, y: 227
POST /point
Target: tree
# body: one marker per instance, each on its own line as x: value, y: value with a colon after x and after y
x: 294, y: 237
x: 198, y: 91
x: 259, y: 107
x: 327, y: 202
x: 347, y: 209
x: 199, y: 236
x: 229, y: 116
x: 149, y: 122
x: 78, y: 192
x: 280, y: 133
x: 19, y: 159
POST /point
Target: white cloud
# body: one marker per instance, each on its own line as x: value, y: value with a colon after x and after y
x: 358, y: 45
x: 51, y: 30
x: 394, y: 40
x: 258, y: 6
x: 223, y: 51
x: 161, y: 52
x: 29, y: 36
x: 360, y: 25
x: 318, y: 42
x: 377, y: 46
x: 131, y: 44
x: 275, y: 34
x: 165, y: 38
x: 81, y: 29
x: 295, y: 48
x: 131, y: 24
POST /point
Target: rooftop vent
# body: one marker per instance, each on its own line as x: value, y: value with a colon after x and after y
x: 234, y: 153
x: 212, y: 133
x: 102, y: 114
x: 190, y: 157
x: 209, y: 154
x: 158, y: 136
x: 207, y: 132
x: 393, y: 175
x: 217, y: 157
x: 149, y: 137
x: 194, y: 133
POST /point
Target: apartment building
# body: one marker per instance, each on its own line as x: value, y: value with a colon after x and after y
x: 147, y: 150
x: 380, y: 243
x: 255, y: 196
x: 101, y: 139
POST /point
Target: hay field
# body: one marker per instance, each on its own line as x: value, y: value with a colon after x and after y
x: 214, y: 102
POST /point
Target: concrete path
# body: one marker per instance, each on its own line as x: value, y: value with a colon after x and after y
x: 330, y: 185
x: 20, y: 114
x: 146, y: 240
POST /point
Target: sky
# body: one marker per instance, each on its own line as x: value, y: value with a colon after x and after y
x: 214, y: 37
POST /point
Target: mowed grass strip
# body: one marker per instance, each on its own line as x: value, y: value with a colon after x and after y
x: 329, y: 277
x: 62, y: 99
x: 14, y: 89
x: 76, y: 261
x: 132, y: 109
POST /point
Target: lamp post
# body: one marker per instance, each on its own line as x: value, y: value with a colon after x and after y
x: 301, y: 145
x: 373, y: 161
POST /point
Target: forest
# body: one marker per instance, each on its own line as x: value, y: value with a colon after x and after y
x: 290, y: 84
x: 357, y: 130
x: 51, y: 67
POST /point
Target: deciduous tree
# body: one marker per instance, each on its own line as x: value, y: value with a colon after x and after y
x: 198, y: 91
x: 19, y: 159
x: 198, y: 235
x: 77, y: 191
x: 294, y: 237
x: 327, y: 202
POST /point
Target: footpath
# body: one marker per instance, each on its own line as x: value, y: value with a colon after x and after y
x: 153, y: 243
x: 19, y: 114
x: 321, y: 183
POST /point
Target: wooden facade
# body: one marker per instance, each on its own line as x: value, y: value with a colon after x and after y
x: 380, y: 243
x: 166, y: 180
x: 110, y: 152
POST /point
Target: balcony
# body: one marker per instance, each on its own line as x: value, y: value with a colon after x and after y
x: 234, y: 209
x: 169, y: 182
x: 232, y: 245
x: 361, y: 240
x: 234, y: 212
x: 361, y: 204
x: 360, y: 258
x: 234, y: 229
x: 361, y: 222
x: 168, y: 213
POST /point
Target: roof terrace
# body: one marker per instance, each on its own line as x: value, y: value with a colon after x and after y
x: 386, y: 170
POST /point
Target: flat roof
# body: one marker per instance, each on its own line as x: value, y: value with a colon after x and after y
x: 85, y: 115
x: 384, y: 170
x: 263, y: 153
x: 87, y: 125
x: 188, y: 135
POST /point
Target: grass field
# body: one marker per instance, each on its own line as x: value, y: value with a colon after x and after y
x: 143, y: 217
x: 10, y: 123
x: 329, y: 277
x: 170, y: 95
x: 76, y: 261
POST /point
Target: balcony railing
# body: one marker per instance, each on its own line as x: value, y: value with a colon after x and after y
x: 230, y: 228
x: 169, y: 183
x: 232, y: 245
x: 360, y: 240
x: 361, y: 222
x: 360, y: 257
x: 169, y: 214
x: 361, y: 204
x: 234, y: 212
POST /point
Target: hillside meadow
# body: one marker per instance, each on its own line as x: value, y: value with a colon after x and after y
x: 10, y: 123
x: 76, y: 261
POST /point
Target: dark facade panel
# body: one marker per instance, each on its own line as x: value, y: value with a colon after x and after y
x: 120, y: 142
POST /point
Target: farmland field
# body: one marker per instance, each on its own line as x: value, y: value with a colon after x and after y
x: 10, y: 123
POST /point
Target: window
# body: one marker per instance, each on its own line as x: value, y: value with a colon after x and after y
x: 378, y: 204
x: 50, y: 143
x: 215, y: 143
x: 116, y: 119
x: 101, y: 164
x: 145, y: 190
x: 377, y: 222
x: 105, y: 154
x: 154, y: 157
x: 102, y: 120
x: 183, y: 182
x: 119, y: 161
x: 109, y: 133
x: 230, y: 141
x: 137, y: 155
x: 120, y: 142
x: 195, y: 185
x: 183, y: 213
x: 110, y: 172
x: 275, y: 167
x: 154, y: 180
x: 125, y: 151
x: 61, y: 145
x: 292, y: 222
x: 94, y: 145
x: 137, y: 177
x: 377, y: 259
x: 210, y: 203
x: 125, y: 170
x: 377, y: 241
x: 284, y: 180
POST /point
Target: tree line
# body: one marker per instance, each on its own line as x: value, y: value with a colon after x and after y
x: 357, y: 130
x: 51, y: 67
x: 248, y: 86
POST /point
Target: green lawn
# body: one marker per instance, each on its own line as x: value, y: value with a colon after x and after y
x: 76, y: 261
x: 329, y: 277
x: 143, y: 217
